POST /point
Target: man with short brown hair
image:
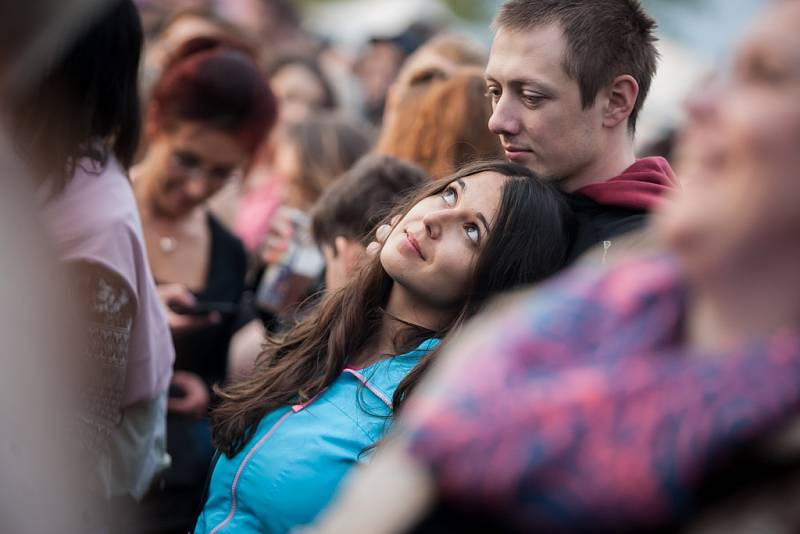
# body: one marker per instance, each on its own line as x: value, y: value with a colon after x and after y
x: 567, y: 81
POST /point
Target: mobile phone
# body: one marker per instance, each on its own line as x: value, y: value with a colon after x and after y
x: 204, y: 308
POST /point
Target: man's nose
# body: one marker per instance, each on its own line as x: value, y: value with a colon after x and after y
x: 505, y: 118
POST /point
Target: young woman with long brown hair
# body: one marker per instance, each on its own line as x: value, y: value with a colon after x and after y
x: 324, y: 393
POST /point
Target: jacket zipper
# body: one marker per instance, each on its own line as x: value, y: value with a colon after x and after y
x: 375, y: 391
x: 293, y: 410
x: 606, y: 247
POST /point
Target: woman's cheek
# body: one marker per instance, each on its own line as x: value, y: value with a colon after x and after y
x: 764, y: 131
x: 463, y: 262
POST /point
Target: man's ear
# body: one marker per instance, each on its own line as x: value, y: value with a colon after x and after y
x: 621, y: 99
x: 339, y: 246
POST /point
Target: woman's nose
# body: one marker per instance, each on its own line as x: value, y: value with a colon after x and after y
x: 703, y: 101
x: 436, y: 221
x: 196, y: 188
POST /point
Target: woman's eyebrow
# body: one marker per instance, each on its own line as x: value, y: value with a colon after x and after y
x: 484, y: 221
x: 478, y: 214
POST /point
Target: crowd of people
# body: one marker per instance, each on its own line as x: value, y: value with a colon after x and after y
x: 428, y: 288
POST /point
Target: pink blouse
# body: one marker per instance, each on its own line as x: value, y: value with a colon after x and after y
x: 255, y: 212
x: 96, y: 220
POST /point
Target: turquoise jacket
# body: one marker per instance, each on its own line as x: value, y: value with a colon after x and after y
x: 293, y: 465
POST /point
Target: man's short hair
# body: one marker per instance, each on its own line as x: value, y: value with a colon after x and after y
x: 357, y: 201
x: 605, y: 39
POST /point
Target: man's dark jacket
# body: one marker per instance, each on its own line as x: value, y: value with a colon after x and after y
x: 606, y: 210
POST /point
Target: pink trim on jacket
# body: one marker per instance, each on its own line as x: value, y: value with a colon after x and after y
x: 378, y: 393
x: 241, y: 469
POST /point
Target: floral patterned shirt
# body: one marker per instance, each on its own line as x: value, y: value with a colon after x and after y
x: 580, y: 407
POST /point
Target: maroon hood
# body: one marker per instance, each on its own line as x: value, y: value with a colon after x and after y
x: 641, y: 186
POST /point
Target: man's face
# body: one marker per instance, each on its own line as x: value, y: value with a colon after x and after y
x: 537, y: 110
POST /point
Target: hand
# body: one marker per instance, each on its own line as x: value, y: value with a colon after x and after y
x: 195, y: 399
x: 279, y: 235
x: 180, y: 324
x: 381, y: 235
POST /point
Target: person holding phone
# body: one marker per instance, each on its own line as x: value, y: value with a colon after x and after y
x: 208, y: 113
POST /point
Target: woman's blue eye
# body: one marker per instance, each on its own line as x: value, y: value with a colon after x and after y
x: 450, y: 196
x: 473, y: 233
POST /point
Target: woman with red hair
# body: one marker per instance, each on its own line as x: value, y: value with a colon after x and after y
x: 208, y: 112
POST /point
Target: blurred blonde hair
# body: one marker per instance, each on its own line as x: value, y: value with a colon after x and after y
x: 443, y: 125
x: 436, y: 59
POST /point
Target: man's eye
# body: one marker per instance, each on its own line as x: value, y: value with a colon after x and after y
x: 493, y: 93
x: 473, y: 233
x: 449, y: 196
x: 533, y: 99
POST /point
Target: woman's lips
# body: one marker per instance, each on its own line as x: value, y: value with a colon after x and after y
x: 414, y: 244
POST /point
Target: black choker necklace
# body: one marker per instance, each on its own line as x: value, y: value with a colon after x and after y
x: 403, y: 321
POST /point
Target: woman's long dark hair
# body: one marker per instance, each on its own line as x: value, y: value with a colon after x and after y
x: 528, y: 243
x: 89, y: 95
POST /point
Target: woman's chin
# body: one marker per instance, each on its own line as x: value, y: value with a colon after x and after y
x: 175, y: 209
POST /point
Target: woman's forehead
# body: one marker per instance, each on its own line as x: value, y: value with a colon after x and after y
x: 482, y: 192
x: 484, y: 180
x: 777, y: 32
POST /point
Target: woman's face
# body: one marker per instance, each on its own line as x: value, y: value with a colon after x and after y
x: 432, y: 251
x: 190, y: 163
x: 288, y: 166
x: 298, y: 91
x: 740, y: 155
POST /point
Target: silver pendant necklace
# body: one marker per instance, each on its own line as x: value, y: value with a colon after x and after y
x: 167, y: 244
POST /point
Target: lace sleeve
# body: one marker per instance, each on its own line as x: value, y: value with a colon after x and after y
x: 108, y: 307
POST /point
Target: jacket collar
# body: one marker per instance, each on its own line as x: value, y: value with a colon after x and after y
x: 383, y: 377
x: 642, y: 186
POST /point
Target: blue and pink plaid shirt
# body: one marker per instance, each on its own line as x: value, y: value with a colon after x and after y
x: 580, y: 407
